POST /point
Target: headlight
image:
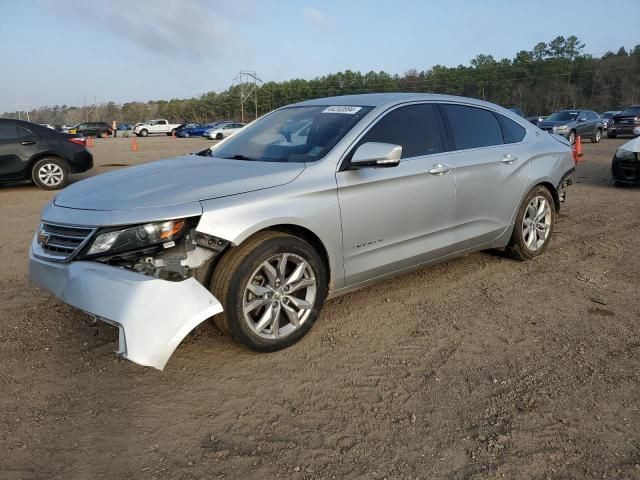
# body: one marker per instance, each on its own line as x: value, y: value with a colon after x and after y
x: 625, y: 155
x: 136, y: 237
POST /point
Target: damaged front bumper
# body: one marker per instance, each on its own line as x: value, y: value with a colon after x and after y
x: 152, y: 315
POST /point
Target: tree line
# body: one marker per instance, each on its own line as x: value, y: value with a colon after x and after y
x: 551, y: 76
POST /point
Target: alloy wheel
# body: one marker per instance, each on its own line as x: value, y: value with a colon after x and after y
x: 279, y: 296
x: 50, y: 174
x: 536, y: 224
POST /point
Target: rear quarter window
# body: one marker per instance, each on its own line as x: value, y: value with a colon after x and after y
x: 511, y: 131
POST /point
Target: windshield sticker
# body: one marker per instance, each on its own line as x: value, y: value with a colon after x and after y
x: 342, y: 109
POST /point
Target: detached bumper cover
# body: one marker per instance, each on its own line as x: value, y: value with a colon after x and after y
x: 152, y: 315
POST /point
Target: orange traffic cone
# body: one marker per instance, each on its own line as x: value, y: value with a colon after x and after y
x: 134, y: 144
x: 577, y: 151
x: 89, y: 141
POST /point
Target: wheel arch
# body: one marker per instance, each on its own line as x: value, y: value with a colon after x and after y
x: 554, y: 193
x: 40, y: 156
x: 298, y: 231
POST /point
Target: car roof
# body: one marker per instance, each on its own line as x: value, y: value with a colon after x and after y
x: 29, y: 125
x: 389, y: 99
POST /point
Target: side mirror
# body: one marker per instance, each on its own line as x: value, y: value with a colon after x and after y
x: 373, y: 154
x: 582, y: 119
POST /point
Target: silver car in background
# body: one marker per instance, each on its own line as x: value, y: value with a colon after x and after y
x: 310, y: 201
x: 223, y: 130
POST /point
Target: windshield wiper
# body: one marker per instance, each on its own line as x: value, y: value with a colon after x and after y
x: 240, y: 157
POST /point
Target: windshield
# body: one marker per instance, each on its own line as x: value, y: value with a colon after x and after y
x: 293, y: 134
x: 566, y: 116
x: 631, y: 111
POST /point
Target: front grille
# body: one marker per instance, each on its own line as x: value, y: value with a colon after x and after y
x: 62, y: 242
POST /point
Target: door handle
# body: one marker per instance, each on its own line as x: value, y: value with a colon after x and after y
x: 509, y: 159
x: 28, y: 142
x: 440, y: 169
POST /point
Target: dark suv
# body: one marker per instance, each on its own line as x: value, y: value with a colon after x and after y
x: 32, y: 152
x: 626, y: 122
x: 93, y: 129
x: 573, y: 123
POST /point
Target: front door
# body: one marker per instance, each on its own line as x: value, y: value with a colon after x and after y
x: 397, y: 217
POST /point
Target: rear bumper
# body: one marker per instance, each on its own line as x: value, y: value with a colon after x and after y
x: 81, y: 162
x: 152, y: 315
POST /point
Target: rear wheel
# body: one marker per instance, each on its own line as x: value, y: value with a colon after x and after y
x: 534, y: 225
x: 598, y: 136
x: 50, y: 173
x: 272, y: 288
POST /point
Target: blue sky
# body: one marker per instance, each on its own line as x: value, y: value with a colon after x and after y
x: 58, y: 52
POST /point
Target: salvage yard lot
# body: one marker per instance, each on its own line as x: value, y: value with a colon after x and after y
x: 481, y: 367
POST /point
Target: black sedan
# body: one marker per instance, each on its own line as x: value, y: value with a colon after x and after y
x: 32, y: 152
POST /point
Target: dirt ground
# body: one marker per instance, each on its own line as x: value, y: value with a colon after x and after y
x: 479, y: 368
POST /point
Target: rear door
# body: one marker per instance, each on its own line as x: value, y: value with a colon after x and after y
x: 492, y: 169
x: 398, y: 217
x: 17, y: 146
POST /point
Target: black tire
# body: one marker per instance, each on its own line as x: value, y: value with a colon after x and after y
x: 59, y: 173
x: 611, y: 135
x: 572, y: 137
x: 143, y: 133
x: 597, y: 136
x: 219, y: 136
x: 517, y: 247
x: 234, y: 272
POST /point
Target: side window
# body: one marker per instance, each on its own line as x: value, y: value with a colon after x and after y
x: 417, y: 128
x: 511, y: 131
x: 473, y: 127
x: 8, y: 132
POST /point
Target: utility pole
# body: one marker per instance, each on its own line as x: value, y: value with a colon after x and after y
x: 248, y: 83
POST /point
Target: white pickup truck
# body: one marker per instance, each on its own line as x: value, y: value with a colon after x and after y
x: 155, y: 126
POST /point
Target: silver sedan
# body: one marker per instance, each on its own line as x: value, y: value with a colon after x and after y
x: 311, y: 201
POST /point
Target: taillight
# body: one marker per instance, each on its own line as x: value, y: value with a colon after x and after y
x: 79, y: 141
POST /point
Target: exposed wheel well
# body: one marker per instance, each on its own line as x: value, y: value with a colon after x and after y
x: 554, y: 194
x: 295, y: 230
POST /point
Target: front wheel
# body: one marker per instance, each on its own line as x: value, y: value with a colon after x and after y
x: 143, y: 133
x: 534, y: 225
x: 50, y: 173
x: 219, y: 136
x: 272, y: 288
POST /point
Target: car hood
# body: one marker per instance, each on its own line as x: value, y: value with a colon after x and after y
x: 631, y: 146
x: 175, y: 181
